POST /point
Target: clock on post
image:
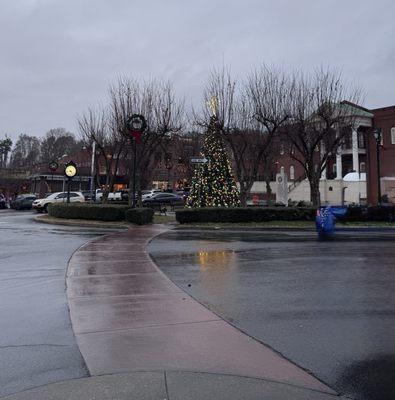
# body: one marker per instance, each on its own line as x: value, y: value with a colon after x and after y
x: 70, y: 170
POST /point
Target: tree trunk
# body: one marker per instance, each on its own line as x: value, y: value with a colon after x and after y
x: 245, y: 189
x: 243, y: 197
x: 315, y: 197
x: 268, y: 192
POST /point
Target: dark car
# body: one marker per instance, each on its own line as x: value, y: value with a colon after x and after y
x: 159, y: 199
x: 23, y: 201
x: 87, y: 195
x: 3, y: 203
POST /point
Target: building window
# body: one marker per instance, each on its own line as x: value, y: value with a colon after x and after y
x: 334, y: 168
x: 292, y: 172
x: 393, y: 135
x: 361, y: 140
x: 282, y: 170
x: 362, y: 167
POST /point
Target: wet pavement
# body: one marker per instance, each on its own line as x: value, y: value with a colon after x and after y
x: 129, y: 317
x: 37, y: 344
x: 327, y: 306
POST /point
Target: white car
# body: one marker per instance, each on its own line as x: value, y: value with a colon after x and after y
x: 111, y: 196
x: 146, y: 194
x: 58, y: 197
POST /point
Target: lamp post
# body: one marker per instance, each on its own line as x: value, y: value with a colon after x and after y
x: 135, y: 127
x: 377, y: 136
x: 92, y: 169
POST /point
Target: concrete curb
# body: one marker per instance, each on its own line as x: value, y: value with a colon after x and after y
x: 169, y: 385
x: 43, y: 219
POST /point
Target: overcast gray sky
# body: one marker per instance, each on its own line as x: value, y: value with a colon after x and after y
x: 58, y: 56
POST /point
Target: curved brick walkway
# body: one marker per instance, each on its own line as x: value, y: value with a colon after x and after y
x: 129, y: 317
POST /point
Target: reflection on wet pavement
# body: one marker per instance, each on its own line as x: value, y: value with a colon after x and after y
x: 37, y: 345
x: 327, y: 306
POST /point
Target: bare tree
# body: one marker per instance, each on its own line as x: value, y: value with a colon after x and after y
x: 157, y: 102
x: 95, y: 127
x: 26, y: 152
x: 5, y: 149
x: 321, y: 120
x: 56, y: 143
x: 249, y: 114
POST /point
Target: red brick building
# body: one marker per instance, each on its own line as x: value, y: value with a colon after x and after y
x: 384, y: 119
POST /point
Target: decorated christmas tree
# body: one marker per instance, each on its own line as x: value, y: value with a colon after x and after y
x: 213, y: 184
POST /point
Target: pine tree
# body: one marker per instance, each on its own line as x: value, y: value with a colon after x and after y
x: 213, y: 184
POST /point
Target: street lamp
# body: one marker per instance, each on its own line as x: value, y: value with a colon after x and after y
x: 377, y: 136
x: 135, y: 127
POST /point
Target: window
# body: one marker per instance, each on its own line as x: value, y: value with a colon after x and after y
x: 362, y: 167
x: 361, y: 140
x: 393, y: 135
x: 292, y: 172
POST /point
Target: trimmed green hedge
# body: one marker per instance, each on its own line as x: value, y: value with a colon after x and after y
x: 363, y: 214
x: 250, y: 214
x: 139, y: 216
x: 99, y: 212
x: 263, y: 214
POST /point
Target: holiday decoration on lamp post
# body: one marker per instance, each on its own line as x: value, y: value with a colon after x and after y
x: 213, y: 184
x: 135, y: 126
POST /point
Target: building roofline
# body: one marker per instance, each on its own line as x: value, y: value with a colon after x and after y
x: 383, y: 108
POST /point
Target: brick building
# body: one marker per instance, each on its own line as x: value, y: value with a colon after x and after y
x: 383, y: 118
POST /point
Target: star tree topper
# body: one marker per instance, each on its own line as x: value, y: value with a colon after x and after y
x: 213, y: 105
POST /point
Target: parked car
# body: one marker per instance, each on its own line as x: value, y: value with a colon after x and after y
x: 163, y: 199
x: 59, y: 197
x: 122, y: 195
x: 87, y: 195
x: 99, y: 195
x: 23, y: 201
x: 3, y: 202
x: 146, y: 194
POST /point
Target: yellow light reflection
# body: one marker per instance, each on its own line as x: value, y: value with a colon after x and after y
x: 215, y: 259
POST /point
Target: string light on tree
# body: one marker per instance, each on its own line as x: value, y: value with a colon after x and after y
x: 213, y: 184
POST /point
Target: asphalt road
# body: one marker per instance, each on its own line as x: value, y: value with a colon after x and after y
x: 37, y: 345
x: 327, y: 306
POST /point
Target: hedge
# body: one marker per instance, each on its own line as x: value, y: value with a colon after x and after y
x: 263, y: 214
x: 384, y: 213
x: 100, y: 212
x: 250, y: 214
x: 139, y: 216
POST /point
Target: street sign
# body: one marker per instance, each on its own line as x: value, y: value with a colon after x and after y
x: 199, y: 160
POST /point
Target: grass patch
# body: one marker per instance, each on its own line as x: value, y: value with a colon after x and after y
x: 268, y: 224
x: 285, y: 224
x: 163, y: 219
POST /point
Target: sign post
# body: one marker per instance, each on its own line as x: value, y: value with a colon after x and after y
x: 53, y: 166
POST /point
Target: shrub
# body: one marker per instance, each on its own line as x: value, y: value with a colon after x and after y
x: 100, y: 212
x: 250, y: 214
x: 386, y: 214
x: 139, y: 216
